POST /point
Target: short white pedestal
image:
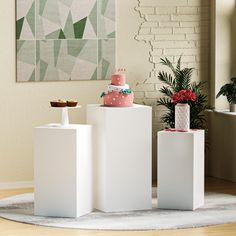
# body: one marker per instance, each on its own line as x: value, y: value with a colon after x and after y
x: 63, y: 170
x: 181, y: 170
x: 122, y: 161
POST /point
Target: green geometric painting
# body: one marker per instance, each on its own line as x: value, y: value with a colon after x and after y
x: 26, y: 60
x: 106, y: 57
x: 106, y: 19
x: 63, y: 40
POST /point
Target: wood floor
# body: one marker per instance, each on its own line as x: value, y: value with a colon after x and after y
x: 8, y: 228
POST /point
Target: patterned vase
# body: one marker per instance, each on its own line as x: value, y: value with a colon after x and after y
x: 182, y: 117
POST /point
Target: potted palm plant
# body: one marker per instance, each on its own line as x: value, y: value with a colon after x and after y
x: 181, y: 93
x: 229, y: 90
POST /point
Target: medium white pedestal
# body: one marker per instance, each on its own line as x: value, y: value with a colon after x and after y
x: 122, y: 147
x: 181, y: 170
x: 63, y: 170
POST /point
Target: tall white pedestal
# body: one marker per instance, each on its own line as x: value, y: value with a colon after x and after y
x: 63, y: 170
x: 122, y: 157
x: 181, y: 170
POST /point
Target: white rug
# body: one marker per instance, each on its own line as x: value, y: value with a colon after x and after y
x: 218, y: 209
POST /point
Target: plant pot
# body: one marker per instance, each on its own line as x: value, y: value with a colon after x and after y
x: 232, y: 107
x: 182, y: 117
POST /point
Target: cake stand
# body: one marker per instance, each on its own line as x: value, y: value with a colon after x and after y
x: 65, y: 115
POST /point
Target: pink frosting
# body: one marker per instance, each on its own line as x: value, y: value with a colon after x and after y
x: 116, y: 99
x: 118, y: 80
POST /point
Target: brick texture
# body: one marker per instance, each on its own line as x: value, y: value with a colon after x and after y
x: 172, y: 28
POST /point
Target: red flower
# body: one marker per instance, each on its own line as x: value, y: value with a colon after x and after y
x: 184, y: 96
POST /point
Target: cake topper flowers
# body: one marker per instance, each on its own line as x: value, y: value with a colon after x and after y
x: 126, y: 91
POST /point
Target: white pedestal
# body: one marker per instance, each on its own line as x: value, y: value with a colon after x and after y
x: 181, y: 170
x: 63, y: 170
x: 122, y: 149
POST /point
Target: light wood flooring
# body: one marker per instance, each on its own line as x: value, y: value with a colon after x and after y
x: 8, y: 228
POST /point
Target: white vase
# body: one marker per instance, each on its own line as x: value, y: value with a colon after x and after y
x: 182, y: 117
x: 232, y: 107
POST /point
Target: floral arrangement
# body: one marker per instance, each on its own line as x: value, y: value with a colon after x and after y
x: 184, y: 96
x: 181, y: 79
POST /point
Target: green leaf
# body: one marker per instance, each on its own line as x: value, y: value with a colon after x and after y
x: 103, y: 94
x: 167, y: 79
x: 229, y: 90
x: 178, y: 67
x: 166, y: 91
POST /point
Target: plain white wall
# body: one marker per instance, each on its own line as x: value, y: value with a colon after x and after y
x: 222, y: 127
x: 26, y: 105
x: 223, y: 54
x: 222, y: 160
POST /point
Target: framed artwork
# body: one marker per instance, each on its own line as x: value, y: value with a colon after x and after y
x: 63, y: 40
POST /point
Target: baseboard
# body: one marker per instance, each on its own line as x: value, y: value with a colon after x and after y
x: 16, y: 185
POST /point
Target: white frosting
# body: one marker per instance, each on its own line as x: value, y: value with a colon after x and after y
x: 117, y: 88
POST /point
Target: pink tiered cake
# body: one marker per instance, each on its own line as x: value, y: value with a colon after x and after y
x: 119, y: 93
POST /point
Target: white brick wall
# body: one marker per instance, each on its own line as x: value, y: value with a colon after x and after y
x: 173, y: 28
